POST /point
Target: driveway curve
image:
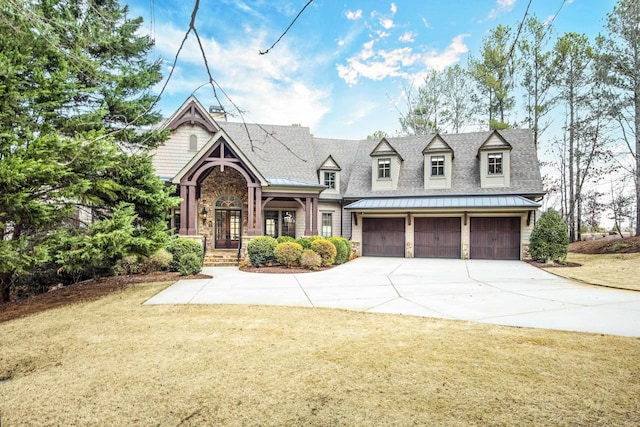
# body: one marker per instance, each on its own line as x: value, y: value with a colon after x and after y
x: 511, y: 293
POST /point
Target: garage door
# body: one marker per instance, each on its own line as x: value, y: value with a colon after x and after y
x: 437, y: 237
x: 495, y: 238
x: 383, y: 237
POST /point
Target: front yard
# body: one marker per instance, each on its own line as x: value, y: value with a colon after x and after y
x: 115, y: 361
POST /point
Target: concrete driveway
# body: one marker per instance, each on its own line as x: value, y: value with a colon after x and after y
x: 500, y: 292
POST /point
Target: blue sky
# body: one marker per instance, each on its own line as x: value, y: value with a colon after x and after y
x: 344, y: 67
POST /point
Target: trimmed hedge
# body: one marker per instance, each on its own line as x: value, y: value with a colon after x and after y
x: 282, y: 239
x: 325, y: 249
x: 288, y: 253
x: 181, y: 246
x: 342, y: 249
x: 189, y: 264
x: 260, y: 250
x: 310, y: 260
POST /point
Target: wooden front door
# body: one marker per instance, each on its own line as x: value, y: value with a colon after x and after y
x: 437, y: 237
x: 228, y: 228
x: 495, y: 238
x: 383, y: 237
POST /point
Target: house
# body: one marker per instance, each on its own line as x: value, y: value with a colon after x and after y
x: 472, y: 195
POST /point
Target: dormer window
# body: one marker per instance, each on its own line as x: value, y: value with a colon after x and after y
x: 494, y: 162
x: 437, y: 165
x: 384, y: 168
x: 330, y: 179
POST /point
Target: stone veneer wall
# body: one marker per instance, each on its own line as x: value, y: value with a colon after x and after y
x: 218, y: 184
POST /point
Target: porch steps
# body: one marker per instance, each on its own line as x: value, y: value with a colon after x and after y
x: 221, y: 258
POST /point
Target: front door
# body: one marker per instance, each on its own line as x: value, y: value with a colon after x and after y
x: 228, y: 226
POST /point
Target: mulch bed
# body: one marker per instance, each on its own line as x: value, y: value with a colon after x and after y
x: 88, y: 290
x: 279, y: 269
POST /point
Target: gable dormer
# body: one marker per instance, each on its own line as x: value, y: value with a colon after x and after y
x: 329, y: 175
x: 194, y: 114
x: 438, y: 163
x: 495, y: 161
x: 385, y: 166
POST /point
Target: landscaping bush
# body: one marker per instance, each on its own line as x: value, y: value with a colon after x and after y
x: 283, y: 239
x: 305, y: 242
x: 260, y: 250
x: 310, y: 260
x: 189, y: 264
x: 325, y: 249
x: 549, y: 239
x: 342, y: 249
x: 181, y: 246
x: 288, y: 253
x: 130, y: 264
x: 159, y: 261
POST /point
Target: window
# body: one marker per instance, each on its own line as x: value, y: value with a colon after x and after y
x: 271, y: 223
x: 495, y: 163
x: 288, y: 224
x: 330, y: 180
x: 384, y: 168
x: 437, y: 165
x: 193, y: 143
x: 327, y: 224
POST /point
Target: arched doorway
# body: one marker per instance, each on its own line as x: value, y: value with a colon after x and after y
x: 228, y: 226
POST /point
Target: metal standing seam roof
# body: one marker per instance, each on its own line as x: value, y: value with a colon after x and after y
x: 443, y: 202
x: 284, y: 182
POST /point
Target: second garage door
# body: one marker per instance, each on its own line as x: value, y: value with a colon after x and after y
x: 437, y: 237
x: 495, y: 238
x: 383, y: 237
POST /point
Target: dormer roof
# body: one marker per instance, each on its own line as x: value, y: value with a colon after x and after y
x: 437, y: 145
x: 495, y: 141
x: 384, y: 148
x: 330, y: 165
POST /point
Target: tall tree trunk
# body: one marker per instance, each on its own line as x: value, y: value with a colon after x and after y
x: 572, y: 196
x: 5, y: 287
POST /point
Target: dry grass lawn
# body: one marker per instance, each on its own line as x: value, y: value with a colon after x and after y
x: 615, y: 270
x: 117, y: 362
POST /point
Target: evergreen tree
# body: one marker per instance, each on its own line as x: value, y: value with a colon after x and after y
x: 75, y: 102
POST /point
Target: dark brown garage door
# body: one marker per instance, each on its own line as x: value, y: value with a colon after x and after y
x: 383, y: 237
x: 437, y: 237
x: 495, y: 238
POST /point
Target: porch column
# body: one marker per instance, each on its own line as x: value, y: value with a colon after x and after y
x: 315, y: 216
x: 183, y: 210
x: 251, y: 228
x: 259, y: 231
x: 307, y: 217
x: 191, y: 208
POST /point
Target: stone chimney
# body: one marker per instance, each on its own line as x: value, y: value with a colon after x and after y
x: 218, y: 113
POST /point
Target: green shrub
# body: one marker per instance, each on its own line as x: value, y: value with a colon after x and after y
x: 325, y: 249
x: 181, y: 246
x: 288, y: 253
x: 549, y: 239
x: 159, y: 261
x: 310, y: 260
x: 130, y: 264
x: 342, y: 249
x: 282, y: 239
x: 189, y: 264
x: 305, y: 242
x: 260, y: 250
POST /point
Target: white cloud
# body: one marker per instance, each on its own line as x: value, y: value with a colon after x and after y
x: 440, y: 60
x: 394, y: 8
x: 386, y: 23
x: 407, y: 37
x: 400, y: 62
x: 353, y: 15
x: 502, y: 6
x: 270, y: 88
x: 426, y: 23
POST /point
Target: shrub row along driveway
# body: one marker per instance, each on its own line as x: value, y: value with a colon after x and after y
x: 510, y: 293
